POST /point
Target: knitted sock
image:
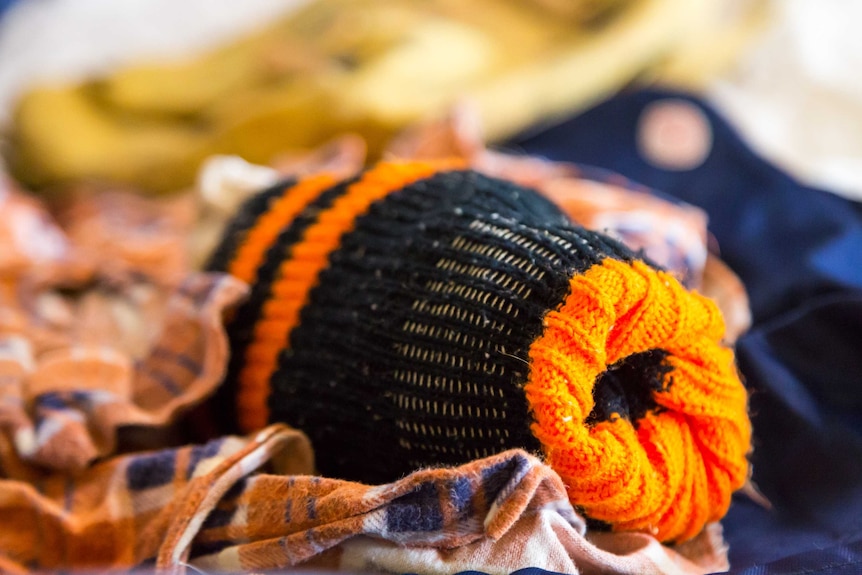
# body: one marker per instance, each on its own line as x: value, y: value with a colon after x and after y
x: 422, y: 314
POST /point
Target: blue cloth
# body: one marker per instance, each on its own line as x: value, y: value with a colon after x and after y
x: 799, y: 252
x: 5, y: 5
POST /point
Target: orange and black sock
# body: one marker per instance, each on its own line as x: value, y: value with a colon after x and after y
x: 423, y: 314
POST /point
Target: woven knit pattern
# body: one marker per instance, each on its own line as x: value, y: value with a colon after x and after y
x: 674, y: 470
x: 423, y: 315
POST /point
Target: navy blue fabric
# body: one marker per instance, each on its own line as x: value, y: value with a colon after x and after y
x: 524, y: 571
x: 837, y: 560
x: 799, y: 252
x: 5, y: 5
x: 418, y: 510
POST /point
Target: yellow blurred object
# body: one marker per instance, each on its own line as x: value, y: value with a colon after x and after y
x: 713, y: 45
x: 61, y: 135
x: 334, y: 66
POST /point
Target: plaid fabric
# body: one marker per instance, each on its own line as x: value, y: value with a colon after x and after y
x: 117, y: 514
x: 496, y: 514
x: 62, y: 409
x: 206, y: 506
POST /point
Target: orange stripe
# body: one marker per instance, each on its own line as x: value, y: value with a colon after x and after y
x: 259, y: 239
x: 299, y: 272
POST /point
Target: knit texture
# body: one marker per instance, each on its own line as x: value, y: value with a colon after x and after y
x: 422, y: 314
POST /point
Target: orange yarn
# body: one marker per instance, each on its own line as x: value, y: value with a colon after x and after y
x: 676, y: 471
x: 298, y: 275
x: 260, y: 238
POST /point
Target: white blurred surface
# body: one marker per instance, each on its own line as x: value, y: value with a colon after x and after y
x: 797, y: 95
x: 61, y: 40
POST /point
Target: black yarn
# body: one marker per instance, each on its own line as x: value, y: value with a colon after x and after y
x: 413, y: 347
x: 240, y: 327
x: 626, y: 388
x: 245, y: 219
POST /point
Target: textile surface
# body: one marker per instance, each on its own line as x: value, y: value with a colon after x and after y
x: 796, y: 249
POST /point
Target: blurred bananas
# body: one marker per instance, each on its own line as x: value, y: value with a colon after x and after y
x: 335, y: 66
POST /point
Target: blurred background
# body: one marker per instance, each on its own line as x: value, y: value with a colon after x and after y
x: 141, y: 92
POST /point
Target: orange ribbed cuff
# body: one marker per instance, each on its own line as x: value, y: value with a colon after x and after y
x: 675, y: 471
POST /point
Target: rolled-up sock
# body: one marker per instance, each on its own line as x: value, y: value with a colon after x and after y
x: 422, y: 314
